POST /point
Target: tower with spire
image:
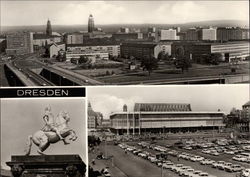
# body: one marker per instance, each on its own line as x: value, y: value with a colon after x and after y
x: 48, y: 28
x: 91, y: 25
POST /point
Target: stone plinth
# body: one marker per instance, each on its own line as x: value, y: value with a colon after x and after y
x: 47, y: 166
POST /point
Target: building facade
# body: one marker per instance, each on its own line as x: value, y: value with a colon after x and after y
x: 48, y: 28
x: 74, y: 38
x: 144, y: 49
x: 94, y: 118
x: 197, y: 50
x: 110, y: 49
x: 209, y: 34
x: 41, y: 40
x: 19, y: 43
x: 55, y: 48
x: 155, y: 118
x: 169, y: 34
x: 91, y: 25
x: 232, y: 33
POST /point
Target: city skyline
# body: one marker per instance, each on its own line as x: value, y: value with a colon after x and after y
x: 111, y: 99
x: 120, y: 12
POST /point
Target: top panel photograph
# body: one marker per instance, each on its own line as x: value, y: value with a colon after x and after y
x: 81, y: 43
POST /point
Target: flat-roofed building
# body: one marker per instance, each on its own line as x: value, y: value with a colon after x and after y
x: 209, y: 34
x: 197, y: 50
x: 232, y: 33
x: 127, y: 36
x: 169, y: 34
x: 193, y: 34
x: 19, y: 43
x: 144, y: 49
x: 113, y: 49
x: 74, y: 38
x: 41, y: 40
x: 154, y: 117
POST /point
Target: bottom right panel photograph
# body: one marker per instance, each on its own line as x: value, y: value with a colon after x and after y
x: 169, y: 131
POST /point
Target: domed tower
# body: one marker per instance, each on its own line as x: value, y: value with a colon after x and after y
x: 125, y: 108
x: 91, y: 25
x: 49, y: 28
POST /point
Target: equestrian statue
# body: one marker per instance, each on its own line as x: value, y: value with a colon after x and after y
x: 55, y: 130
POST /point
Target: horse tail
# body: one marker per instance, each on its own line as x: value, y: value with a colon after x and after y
x: 29, y: 144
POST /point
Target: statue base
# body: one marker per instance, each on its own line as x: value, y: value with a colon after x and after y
x: 47, y: 166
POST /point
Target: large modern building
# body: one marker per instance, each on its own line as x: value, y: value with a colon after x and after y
x: 169, y: 34
x: 91, y: 25
x: 144, y: 49
x: 112, y: 49
x: 41, y: 39
x: 197, y: 50
x: 94, y: 118
x: 232, y: 33
x: 127, y: 36
x: 49, y: 28
x: 19, y: 43
x: 193, y: 34
x: 74, y: 38
x: 209, y: 34
x: 164, y: 117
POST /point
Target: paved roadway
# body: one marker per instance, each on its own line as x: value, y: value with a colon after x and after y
x: 134, y: 166
x: 197, y: 166
x: 3, y: 79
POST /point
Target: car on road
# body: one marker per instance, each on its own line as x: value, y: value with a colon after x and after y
x: 168, y: 165
x: 223, y: 166
x: 245, y: 173
x: 176, y: 166
x: 218, y: 163
x: 196, y: 158
x: 240, y: 158
x: 186, y: 172
x: 196, y: 173
x: 206, y: 162
x: 234, y: 168
x: 229, y: 152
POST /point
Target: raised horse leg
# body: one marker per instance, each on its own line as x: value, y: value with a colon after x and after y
x: 42, y: 147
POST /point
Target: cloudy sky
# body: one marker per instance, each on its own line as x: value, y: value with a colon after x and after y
x: 14, y: 13
x: 201, y: 98
x: 23, y: 117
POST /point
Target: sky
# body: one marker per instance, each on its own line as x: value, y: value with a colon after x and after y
x: 17, y: 13
x: 201, y: 98
x: 23, y: 117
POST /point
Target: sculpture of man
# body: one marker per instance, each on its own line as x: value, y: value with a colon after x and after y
x: 50, y: 123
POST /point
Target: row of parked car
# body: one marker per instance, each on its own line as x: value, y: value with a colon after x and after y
x: 180, y: 169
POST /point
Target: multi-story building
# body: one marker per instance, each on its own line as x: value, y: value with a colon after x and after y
x: 113, y: 49
x: 19, y: 43
x: 49, y: 28
x: 41, y: 39
x: 193, y: 34
x: 127, y: 36
x: 55, y: 48
x: 151, y: 30
x: 209, y: 34
x: 162, y: 117
x: 232, y: 33
x: 94, y: 118
x: 169, y: 34
x: 124, y: 30
x: 140, y: 50
x: 197, y: 50
x: 91, y: 25
x: 74, y: 38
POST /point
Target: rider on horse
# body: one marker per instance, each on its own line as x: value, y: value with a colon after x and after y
x: 50, y: 124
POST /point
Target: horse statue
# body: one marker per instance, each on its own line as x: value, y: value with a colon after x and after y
x: 43, y: 138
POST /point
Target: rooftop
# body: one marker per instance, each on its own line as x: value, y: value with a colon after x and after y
x: 162, y: 107
x: 43, y: 36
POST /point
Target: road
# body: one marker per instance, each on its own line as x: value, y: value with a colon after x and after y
x: 134, y: 166
x: 3, y: 79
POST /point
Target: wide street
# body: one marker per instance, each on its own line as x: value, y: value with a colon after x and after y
x: 131, y: 165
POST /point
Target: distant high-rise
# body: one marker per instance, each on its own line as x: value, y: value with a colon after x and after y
x: 91, y: 25
x: 48, y: 29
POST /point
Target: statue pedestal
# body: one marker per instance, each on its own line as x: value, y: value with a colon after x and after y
x: 47, y: 166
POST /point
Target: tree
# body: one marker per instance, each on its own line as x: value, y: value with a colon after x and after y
x: 83, y: 59
x: 216, y: 58
x: 149, y: 63
x: 182, y: 61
